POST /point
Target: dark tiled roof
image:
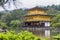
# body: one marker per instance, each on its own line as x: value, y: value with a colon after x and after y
x: 41, y: 8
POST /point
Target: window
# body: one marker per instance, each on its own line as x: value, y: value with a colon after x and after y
x: 42, y: 24
x: 47, y: 23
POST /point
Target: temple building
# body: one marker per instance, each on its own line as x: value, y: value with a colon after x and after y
x: 37, y: 21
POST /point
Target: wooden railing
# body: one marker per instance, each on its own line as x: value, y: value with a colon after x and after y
x: 36, y: 28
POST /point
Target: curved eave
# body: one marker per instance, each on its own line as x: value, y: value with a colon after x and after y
x: 39, y: 21
x: 39, y: 15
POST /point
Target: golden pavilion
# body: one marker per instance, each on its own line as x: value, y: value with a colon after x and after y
x: 37, y: 21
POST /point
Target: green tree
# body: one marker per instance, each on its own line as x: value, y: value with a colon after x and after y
x: 16, y: 3
x: 6, y: 17
x: 51, y: 11
x: 56, y: 21
x: 3, y: 25
x: 1, y: 13
x: 15, y: 23
x: 15, y: 16
x: 18, y: 14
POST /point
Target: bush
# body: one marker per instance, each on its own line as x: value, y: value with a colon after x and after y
x: 24, y: 35
x: 56, y: 36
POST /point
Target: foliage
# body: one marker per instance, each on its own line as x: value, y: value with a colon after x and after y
x: 56, y: 7
x: 1, y: 13
x: 3, y: 25
x: 15, y: 23
x: 16, y: 3
x: 56, y: 36
x: 51, y: 11
x: 18, y: 14
x: 13, y: 19
x: 24, y: 35
x: 3, y: 2
x: 56, y: 21
x: 6, y: 17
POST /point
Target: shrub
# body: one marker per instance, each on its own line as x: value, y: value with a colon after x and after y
x: 24, y: 35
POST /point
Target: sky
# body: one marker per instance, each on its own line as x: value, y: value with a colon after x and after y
x: 33, y: 3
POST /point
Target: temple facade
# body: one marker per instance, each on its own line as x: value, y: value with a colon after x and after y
x: 38, y: 22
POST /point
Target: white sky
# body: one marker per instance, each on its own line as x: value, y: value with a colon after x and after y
x: 33, y: 3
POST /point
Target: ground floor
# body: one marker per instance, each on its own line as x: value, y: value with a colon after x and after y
x: 44, y: 32
x: 39, y: 28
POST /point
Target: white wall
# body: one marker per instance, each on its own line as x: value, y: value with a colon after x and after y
x: 47, y: 23
x: 47, y: 33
